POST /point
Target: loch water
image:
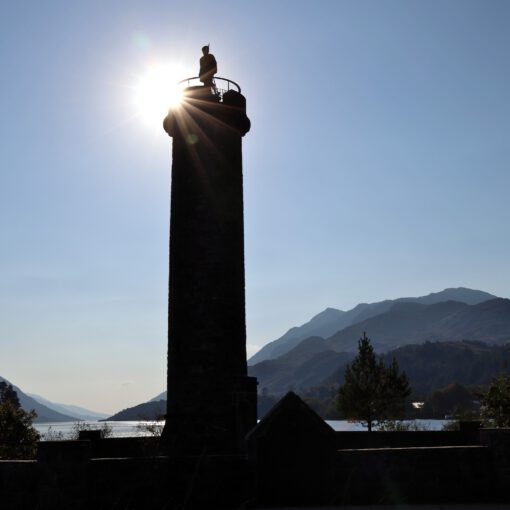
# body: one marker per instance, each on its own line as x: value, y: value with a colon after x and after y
x: 64, y: 430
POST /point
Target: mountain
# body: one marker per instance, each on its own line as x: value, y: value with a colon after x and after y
x: 414, y: 323
x: 161, y: 396
x: 78, y: 413
x: 44, y: 413
x: 332, y: 335
x: 324, y: 324
x: 331, y: 320
x: 405, y: 323
x: 303, y: 366
x: 487, y: 321
x: 146, y: 411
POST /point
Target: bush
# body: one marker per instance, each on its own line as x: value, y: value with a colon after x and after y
x: 151, y: 428
x: 402, y: 426
x: 106, y: 430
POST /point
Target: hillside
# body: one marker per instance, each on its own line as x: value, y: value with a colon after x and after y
x: 304, y: 366
x: 430, y: 367
x: 44, y: 413
x: 77, y: 412
x: 146, y: 411
x: 405, y: 323
x: 413, y: 323
x: 331, y: 320
x: 436, y: 365
x: 161, y: 396
x: 323, y: 324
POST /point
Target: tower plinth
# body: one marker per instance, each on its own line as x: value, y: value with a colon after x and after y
x: 211, y: 401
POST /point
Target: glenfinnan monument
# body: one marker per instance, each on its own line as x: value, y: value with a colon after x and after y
x: 212, y: 403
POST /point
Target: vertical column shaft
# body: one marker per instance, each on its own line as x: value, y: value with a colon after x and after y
x: 211, y: 401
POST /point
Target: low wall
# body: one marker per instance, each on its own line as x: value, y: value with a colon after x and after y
x: 363, y: 439
x: 160, y: 482
x: 498, y: 442
x: 18, y: 484
x: 68, y: 474
x: 445, y: 474
x: 125, y: 447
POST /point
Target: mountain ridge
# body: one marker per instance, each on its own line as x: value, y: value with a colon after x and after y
x: 77, y: 412
x: 430, y: 367
x: 406, y: 323
x: 151, y: 410
x: 331, y: 320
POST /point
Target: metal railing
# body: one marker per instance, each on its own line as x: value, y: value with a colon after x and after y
x: 225, y: 85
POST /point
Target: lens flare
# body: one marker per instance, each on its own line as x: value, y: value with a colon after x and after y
x: 156, y: 92
x: 141, y: 41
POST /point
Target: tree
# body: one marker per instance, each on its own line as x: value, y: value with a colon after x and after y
x: 495, y: 402
x: 8, y: 394
x: 18, y: 438
x: 454, y: 399
x: 372, y: 393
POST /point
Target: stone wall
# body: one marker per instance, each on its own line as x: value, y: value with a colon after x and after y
x: 498, y: 442
x: 361, y: 440
x: 87, y: 474
x: 454, y: 474
x: 18, y: 484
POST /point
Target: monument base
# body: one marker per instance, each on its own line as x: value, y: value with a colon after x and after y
x: 214, y: 421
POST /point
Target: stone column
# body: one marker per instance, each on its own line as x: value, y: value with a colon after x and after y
x: 211, y: 400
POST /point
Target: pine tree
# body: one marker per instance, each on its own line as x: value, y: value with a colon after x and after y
x: 372, y: 393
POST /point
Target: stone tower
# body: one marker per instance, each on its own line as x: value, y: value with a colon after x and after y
x: 211, y: 400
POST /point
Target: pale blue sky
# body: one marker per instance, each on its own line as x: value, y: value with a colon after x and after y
x: 376, y: 167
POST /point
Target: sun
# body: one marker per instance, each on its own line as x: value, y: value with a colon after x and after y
x: 156, y: 92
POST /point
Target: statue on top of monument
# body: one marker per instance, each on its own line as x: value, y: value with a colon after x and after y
x: 208, y: 67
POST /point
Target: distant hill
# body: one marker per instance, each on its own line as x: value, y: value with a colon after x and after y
x: 161, y: 396
x: 323, y: 324
x: 405, y: 323
x: 78, y: 413
x: 304, y: 366
x: 435, y: 365
x: 44, y: 413
x: 413, y: 323
x: 331, y: 320
x: 147, y: 411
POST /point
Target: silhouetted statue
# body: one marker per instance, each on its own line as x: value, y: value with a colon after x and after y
x: 208, y: 67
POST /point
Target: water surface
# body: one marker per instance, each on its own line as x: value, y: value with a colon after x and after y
x: 65, y: 430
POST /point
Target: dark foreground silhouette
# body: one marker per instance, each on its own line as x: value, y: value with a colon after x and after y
x: 292, y: 458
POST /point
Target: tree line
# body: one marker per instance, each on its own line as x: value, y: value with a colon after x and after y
x: 375, y: 392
